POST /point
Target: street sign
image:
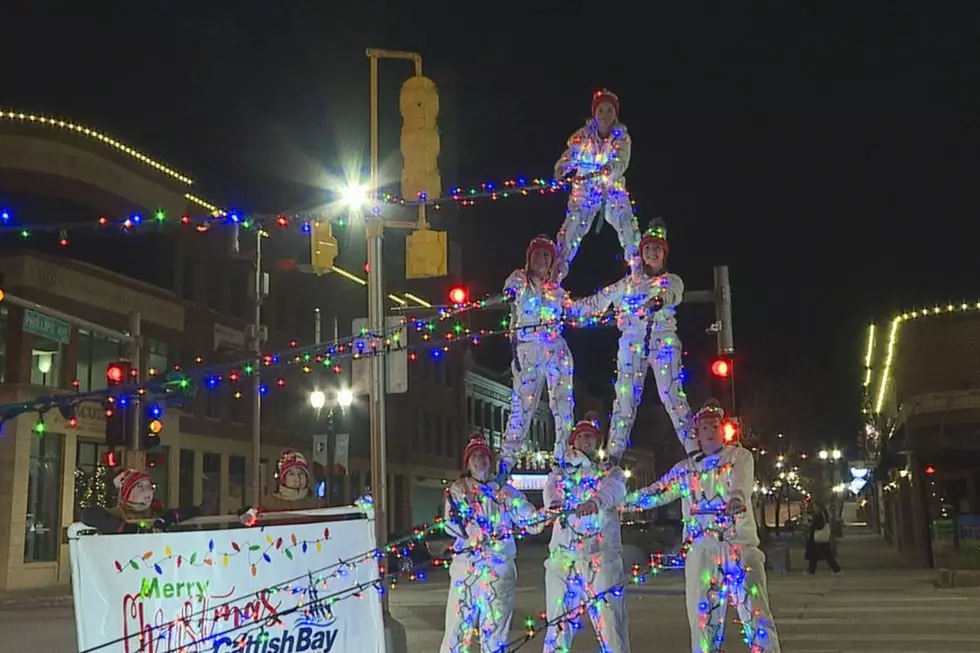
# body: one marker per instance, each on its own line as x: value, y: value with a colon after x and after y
x: 392, y: 346
x: 46, y: 326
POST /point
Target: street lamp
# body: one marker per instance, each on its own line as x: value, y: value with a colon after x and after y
x: 835, y: 454
x: 354, y: 196
x: 824, y: 454
x: 345, y: 397
x: 318, y: 400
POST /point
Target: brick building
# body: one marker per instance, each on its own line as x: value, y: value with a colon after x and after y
x: 922, y: 422
x: 192, y: 295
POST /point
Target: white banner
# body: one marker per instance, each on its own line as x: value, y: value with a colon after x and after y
x: 243, y: 590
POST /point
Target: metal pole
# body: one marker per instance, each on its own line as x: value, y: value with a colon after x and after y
x: 316, y: 326
x: 330, y: 444
x: 256, y: 377
x: 376, y: 319
x: 135, y: 332
x: 723, y: 295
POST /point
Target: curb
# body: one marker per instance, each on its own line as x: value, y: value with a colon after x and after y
x: 38, y: 602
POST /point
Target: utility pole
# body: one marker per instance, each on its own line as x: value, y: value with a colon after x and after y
x: 135, y: 414
x: 395, y: 638
x: 256, y: 337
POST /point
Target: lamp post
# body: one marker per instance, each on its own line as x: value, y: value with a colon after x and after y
x: 318, y: 399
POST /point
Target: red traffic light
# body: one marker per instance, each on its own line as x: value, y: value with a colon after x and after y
x: 721, y: 368
x: 930, y: 470
x: 730, y: 430
x: 458, y: 295
x: 115, y: 373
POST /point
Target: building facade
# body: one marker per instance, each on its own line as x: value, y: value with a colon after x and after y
x: 922, y: 426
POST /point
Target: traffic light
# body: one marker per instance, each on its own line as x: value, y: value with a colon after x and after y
x: 323, y: 247
x: 426, y: 254
x: 420, y: 144
x: 151, y: 427
x: 730, y: 429
x: 117, y: 430
x: 458, y: 295
x: 722, y: 368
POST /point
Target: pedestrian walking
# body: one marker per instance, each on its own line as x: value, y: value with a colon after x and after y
x: 818, y: 541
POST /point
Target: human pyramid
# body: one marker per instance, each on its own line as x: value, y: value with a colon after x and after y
x: 585, y: 492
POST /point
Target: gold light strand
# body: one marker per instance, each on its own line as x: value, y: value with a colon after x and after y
x: 98, y: 136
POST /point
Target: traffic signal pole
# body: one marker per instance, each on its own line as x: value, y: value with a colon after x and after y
x: 721, y: 297
x: 395, y: 639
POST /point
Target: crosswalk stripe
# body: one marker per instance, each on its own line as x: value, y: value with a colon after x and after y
x: 945, y: 637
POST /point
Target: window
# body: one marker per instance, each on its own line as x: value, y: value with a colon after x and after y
x: 45, y: 360
x: 239, y: 406
x: 42, y: 541
x: 216, y: 289
x: 209, y: 396
x: 3, y: 342
x: 156, y: 355
x: 156, y: 467
x: 212, y: 484
x: 236, y: 482
x: 95, y: 353
x: 185, y: 492
x: 93, y: 480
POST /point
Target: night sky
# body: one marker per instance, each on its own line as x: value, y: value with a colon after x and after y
x: 828, y: 154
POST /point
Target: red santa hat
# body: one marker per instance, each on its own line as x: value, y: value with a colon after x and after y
x: 605, y: 95
x: 126, y: 481
x: 710, y: 410
x: 656, y: 234
x: 477, y: 444
x: 292, y: 459
x: 587, y: 426
x: 542, y: 242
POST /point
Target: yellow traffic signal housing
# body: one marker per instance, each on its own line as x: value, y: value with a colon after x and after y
x: 323, y: 247
x: 425, y: 254
x: 420, y: 144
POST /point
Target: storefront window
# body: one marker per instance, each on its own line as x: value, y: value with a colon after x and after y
x: 45, y: 360
x: 93, y: 480
x: 236, y: 482
x: 95, y: 353
x: 212, y: 484
x: 42, y: 540
x: 186, y: 491
x: 156, y: 355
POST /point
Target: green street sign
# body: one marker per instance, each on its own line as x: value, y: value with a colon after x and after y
x: 46, y: 326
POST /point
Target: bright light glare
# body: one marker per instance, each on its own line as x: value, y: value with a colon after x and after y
x: 823, y: 454
x: 836, y: 454
x: 354, y: 196
x: 345, y: 397
x: 317, y: 399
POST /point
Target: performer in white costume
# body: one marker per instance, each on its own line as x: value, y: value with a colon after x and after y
x: 596, y: 157
x: 586, y: 551
x: 483, y: 517
x: 645, y: 302
x: 723, y: 560
x: 541, y: 356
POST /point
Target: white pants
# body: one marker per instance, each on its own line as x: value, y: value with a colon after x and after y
x: 535, y: 365
x: 481, y: 599
x: 712, y: 565
x: 571, y: 581
x: 584, y: 203
x: 662, y: 354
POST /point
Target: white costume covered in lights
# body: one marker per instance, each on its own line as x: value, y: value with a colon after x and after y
x: 723, y: 561
x: 541, y: 355
x: 483, y: 517
x: 586, y: 550
x: 597, y: 156
x: 645, y: 302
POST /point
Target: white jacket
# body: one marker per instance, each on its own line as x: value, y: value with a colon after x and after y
x: 537, y: 309
x: 630, y: 297
x: 587, y: 152
x: 485, y: 516
x: 705, y: 484
x: 572, y: 486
